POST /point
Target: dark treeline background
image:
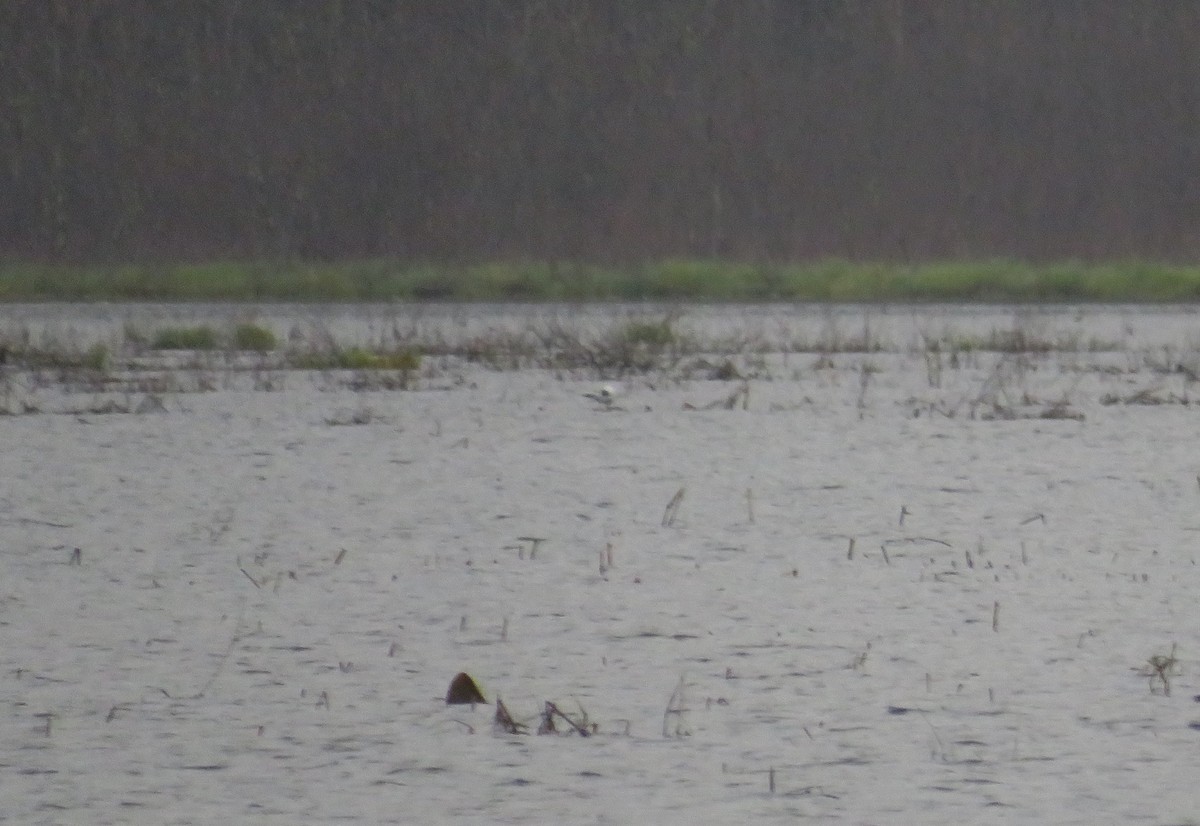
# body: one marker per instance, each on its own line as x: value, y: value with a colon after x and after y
x: 601, y: 130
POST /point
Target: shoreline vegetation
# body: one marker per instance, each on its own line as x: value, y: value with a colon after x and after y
x: 712, y: 281
x: 130, y: 365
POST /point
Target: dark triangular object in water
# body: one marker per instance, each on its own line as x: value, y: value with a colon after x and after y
x: 463, y: 691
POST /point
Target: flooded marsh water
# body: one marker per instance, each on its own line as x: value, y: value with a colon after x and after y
x: 904, y: 582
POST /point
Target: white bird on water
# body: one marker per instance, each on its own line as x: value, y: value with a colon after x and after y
x: 606, y: 396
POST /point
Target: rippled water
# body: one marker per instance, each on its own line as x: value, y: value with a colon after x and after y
x: 906, y: 599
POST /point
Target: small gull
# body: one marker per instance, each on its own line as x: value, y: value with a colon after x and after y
x: 606, y: 395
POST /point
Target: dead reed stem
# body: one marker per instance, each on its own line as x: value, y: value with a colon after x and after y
x: 676, y: 709
x: 672, y: 509
x: 1162, y: 667
x: 937, y: 737
x: 864, y: 381
x: 233, y: 641
x: 48, y: 716
x: 550, y: 711
x: 534, y: 542
x: 504, y: 722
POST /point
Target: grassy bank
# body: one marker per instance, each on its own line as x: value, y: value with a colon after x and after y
x: 715, y: 281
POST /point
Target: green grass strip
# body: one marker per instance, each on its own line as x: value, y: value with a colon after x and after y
x: 668, y: 280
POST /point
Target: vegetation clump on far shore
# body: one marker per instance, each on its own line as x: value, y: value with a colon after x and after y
x: 672, y: 280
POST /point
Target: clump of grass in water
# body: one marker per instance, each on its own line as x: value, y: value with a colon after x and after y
x: 56, y: 355
x: 1160, y: 668
x: 647, y: 333
x: 254, y: 338
x: 358, y: 358
x: 96, y: 358
x: 202, y: 337
x: 637, y: 345
x: 362, y: 415
x: 135, y: 335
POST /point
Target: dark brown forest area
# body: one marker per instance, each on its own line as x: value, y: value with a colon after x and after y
x: 599, y: 130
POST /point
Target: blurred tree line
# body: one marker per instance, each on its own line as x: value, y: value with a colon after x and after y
x: 602, y: 130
